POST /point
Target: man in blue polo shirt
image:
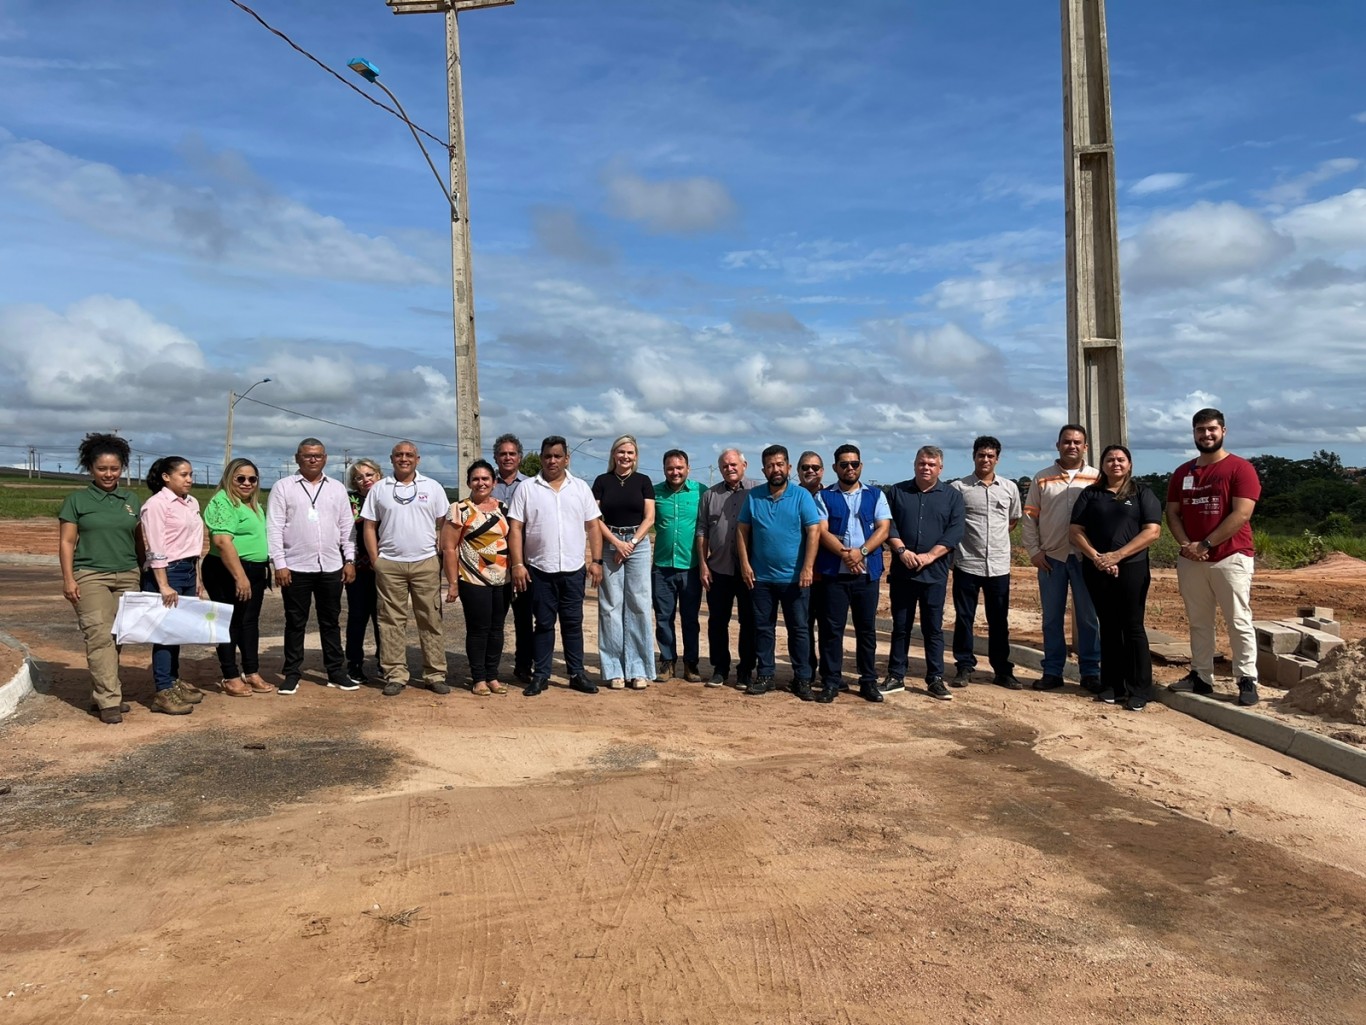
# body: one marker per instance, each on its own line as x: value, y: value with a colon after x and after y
x: 778, y: 533
x: 927, y: 525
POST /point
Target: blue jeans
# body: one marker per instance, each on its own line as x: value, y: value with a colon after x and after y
x: 625, y: 649
x: 795, y: 602
x: 557, y: 596
x: 1053, y: 598
x: 907, y: 596
x: 846, y: 594
x: 679, y: 589
x: 181, y: 576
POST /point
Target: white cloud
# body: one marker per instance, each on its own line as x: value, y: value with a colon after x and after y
x: 229, y: 218
x: 1360, y: 118
x: 1164, y: 182
x: 676, y: 206
x: 1205, y: 243
x: 1337, y: 223
x: 1294, y: 190
x: 616, y: 414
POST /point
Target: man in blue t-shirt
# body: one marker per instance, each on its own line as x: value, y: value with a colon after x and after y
x: 778, y: 533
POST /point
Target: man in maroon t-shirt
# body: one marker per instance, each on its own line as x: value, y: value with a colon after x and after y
x: 1209, y: 510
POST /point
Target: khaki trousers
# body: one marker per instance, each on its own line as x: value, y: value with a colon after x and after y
x: 95, y: 612
x: 397, y: 583
x: 1227, y: 585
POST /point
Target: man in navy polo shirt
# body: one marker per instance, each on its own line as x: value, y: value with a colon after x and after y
x: 778, y: 533
x: 927, y: 525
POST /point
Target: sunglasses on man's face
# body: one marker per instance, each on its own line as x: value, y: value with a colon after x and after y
x: 245, y: 480
x: 809, y: 469
x: 849, y: 464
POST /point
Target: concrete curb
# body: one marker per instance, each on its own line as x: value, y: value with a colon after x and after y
x: 21, y: 685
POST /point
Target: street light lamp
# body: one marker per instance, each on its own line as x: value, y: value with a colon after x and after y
x: 579, y: 445
x: 233, y: 399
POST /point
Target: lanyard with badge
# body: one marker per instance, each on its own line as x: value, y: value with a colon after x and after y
x: 313, y: 499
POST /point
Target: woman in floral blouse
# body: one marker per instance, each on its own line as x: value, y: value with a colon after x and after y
x: 475, y: 554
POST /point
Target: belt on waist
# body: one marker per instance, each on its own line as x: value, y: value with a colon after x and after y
x: 623, y: 530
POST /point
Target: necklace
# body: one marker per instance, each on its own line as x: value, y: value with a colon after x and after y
x: 621, y: 481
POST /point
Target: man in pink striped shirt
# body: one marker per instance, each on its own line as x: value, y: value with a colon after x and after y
x: 310, y: 533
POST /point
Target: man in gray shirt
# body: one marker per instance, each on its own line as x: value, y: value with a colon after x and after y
x: 982, y: 564
x: 507, y: 453
x: 720, y: 571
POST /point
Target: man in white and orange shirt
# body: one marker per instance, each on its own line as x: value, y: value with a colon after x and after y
x: 1045, y: 532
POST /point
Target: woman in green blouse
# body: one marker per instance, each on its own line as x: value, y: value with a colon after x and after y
x: 99, y: 547
x: 237, y: 573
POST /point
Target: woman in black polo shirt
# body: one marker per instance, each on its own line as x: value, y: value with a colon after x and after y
x: 626, y: 647
x: 1114, y: 523
x: 99, y: 546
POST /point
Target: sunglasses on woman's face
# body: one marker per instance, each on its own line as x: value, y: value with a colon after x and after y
x: 245, y: 480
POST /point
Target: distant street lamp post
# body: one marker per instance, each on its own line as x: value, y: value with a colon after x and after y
x: 233, y: 399
x: 467, y: 428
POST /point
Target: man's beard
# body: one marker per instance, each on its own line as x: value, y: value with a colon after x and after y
x: 1209, y: 446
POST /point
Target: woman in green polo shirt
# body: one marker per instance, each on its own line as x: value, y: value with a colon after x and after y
x: 237, y: 573
x: 99, y: 546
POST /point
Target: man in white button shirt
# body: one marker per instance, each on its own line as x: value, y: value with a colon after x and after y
x: 551, y: 522
x: 400, y: 520
x: 991, y: 508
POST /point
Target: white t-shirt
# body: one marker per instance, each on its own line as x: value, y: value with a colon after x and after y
x: 553, y: 532
x: 406, y: 517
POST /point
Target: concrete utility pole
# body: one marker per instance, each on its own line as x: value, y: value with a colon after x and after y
x: 468, y: 441
x: 1095, y: 352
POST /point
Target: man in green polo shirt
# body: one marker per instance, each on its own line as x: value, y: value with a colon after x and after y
x: 676, y: 582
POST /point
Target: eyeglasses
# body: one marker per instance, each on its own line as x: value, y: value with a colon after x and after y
x: 810, y: 469
x: 310, y: 457
x: 244, y: 480
x: 849, y: 464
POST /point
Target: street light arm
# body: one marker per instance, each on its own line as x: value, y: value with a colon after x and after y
x: 455, y: 213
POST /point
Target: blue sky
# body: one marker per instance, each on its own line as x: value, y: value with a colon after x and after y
x: 706, y: 223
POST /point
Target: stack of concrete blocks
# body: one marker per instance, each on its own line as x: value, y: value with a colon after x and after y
x: 1290, y: 650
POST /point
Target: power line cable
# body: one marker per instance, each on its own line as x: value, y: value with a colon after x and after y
x: 349, y: 427
x: 345, y: 81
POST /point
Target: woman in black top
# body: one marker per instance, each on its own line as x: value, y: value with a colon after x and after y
x: 626, y: 647
x: 1114, y: 523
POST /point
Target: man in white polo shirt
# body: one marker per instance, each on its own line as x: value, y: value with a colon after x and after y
x: 551, y: 523
x: 400, y: 520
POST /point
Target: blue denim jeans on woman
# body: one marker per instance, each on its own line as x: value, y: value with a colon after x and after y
x: 181, y: 577
x: 625, y: 648
x: 1053, y: 597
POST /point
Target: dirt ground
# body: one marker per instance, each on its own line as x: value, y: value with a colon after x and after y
x: 677, y: 855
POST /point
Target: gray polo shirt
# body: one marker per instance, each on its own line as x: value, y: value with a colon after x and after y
x: 503, y: 491
x: 716, y: 515
x: 988, y: 511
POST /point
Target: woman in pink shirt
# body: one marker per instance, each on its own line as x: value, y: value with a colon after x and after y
x: 174, y: 533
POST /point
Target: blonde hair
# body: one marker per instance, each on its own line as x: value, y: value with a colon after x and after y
x: 226, y: 481
x: 351, y: 473
x: 625, y: 439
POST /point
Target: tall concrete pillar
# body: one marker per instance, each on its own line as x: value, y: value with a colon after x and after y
x: 1095, y: 353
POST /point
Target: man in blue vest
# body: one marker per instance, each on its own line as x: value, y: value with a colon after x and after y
x: 777, y: 534
x: 927, y: 525
x: 850, y: 563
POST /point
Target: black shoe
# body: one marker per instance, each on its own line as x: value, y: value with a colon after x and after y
x: 582, y: 684
x: 869, y: 692
x: 1048, y: 681
x: 828, y: 692
x: 802, y: 688
x: 1092, y: 684
x: 356, y: 675
x: 1008, y: 681
x: 1106, y: 696
x: 111, y: 716
x: 1135, y: 704
x: 522, y: 676
x: 761, y: 685
x: 288, y: 687
x: 717, y: 680
x: 1247, y: 691
x: 535, y: 687
x: 344, y: 683
x: 123, y: 707
x: 440, y: 687
x: 935, y: 685
x: 892, y: 685
x: 1190, y: 683
x: 393, y: 689
x: 961, y: 678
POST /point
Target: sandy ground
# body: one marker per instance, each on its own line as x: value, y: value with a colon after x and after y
x: 677, y: 855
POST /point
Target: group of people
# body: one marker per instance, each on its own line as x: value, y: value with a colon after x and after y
x: 754, y: 549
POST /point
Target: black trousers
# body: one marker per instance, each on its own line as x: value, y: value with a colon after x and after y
x: 1126, y: 663
x: 324, y: 592
x: 245, y: 631
x: 846, y: 594
x: 523, y: 625
x: 557, y: 596
x: 729, y: 592
x: 486, y: 610
x: 995, y: 592
x: 815, y: 622
x: 362, y: 610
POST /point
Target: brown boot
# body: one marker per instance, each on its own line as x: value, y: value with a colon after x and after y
x: 236, y: 688
x: 690, y: 673
x: 112, y: 716
x: 666, y: 672
x: 187, y: 693
x: 187, y: 685
x: 167, y: 701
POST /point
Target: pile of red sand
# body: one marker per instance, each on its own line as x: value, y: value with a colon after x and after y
x: 1338, y: 690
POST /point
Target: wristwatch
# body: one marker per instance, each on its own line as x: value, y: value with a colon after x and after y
x: 863, y: 550
x: 1206, y: 545
x: 597, y: 562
